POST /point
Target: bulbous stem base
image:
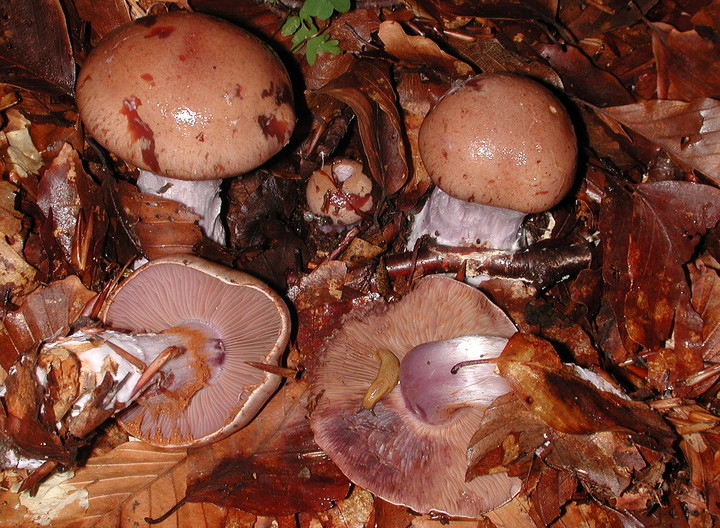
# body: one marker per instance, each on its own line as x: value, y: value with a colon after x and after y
x: 454, y: 222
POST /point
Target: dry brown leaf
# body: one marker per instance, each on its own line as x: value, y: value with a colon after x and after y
x: 270, y: 467
x: 420, y: 51
x: 705, y: 283
x: 75, y: 216
x: 688, y: 132
x: 568, y: 402
x: 514, y: 514
x: 42, y: 314
x: 119, y: 490
x: 592, y: 514
x: 368, y: 89
x: 10, y: 219
x: 162, y: 227
x: 688, y: 64
x: 18, y: 276
x: 36, y: 51
x: 19, y: 152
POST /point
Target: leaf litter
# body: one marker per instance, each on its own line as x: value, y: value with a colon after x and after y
x: 614, y: 408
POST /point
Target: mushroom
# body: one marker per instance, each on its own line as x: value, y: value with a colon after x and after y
x: 340, y: 192
x: 497, y: 147
x: 211, y: 321
x: 188, y: 99
x: 403, y: 448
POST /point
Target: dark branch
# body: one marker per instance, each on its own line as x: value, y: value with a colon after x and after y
x: 539, y: 265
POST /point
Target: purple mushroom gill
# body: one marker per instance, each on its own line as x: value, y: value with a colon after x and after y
x: 390, y: 450
x: 222, y: 318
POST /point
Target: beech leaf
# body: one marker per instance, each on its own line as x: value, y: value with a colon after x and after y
x: 567, y: 401
x: 42, y: 314
x: 160, y: 226
x: 419, y: 50
x: 73, y: 207
x: 35, y: 52
x: 123, y: 487
x: 271, y: 467
x: 665, y: 219
x: 688, y: 64
x: 18, y: 276
x: 688, y: 132
x: 367, y: 89
x: 706, y: 302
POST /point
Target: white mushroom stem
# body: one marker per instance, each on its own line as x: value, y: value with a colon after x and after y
x: 202, y: 196
x: 454, y: 222
x: 126, y: 357
x: 435, y: 391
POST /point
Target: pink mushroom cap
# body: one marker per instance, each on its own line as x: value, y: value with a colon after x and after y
x: 187, y: 96
x: 500, y: 140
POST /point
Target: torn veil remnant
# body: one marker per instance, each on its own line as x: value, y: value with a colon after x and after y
x: 392, y: 450
x: 188, y: 99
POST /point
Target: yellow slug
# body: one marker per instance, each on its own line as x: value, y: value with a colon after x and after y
x: 385, y: 381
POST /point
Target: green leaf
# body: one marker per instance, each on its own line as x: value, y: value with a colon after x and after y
x: 320, y: 43
x: 322, y: 9
x: 341, y: 6
x: 307, y: 30
x: 304, y: 31
x: 291, y: 25
x: 332, y: 46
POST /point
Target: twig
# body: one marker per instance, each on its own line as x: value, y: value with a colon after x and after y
x: 539, y: 265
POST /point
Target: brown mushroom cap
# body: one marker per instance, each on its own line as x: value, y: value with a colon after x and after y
x: 187, y: 96
x: 500, y: 140
x: 390, y: 451
x: 242, y: 320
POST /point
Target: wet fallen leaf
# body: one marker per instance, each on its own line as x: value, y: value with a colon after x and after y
x: 121, y: 489
x: 160, y: 226
x: 574, y: 401
x: 689, y: 132
x: 366, y: 89
x: 42, y: 314
x: 36, y: 52
x: 271, y: 467
x: 680, y: 55
x: 419, y: 50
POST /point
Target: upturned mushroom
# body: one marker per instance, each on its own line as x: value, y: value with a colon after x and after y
x: 188, y: 99
x: 497, y: 147
x: 404, y: 446
x: 340, y: 192
x: 207, y: 322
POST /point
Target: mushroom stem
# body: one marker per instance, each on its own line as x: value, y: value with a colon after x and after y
x: 454, y: 222
x: 201, y: 196
x: 122, y: 356
x: 434, y: 393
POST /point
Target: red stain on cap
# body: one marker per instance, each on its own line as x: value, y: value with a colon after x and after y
x: 272, y: 127
x: 160, y: 32
x: 140, y: 131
